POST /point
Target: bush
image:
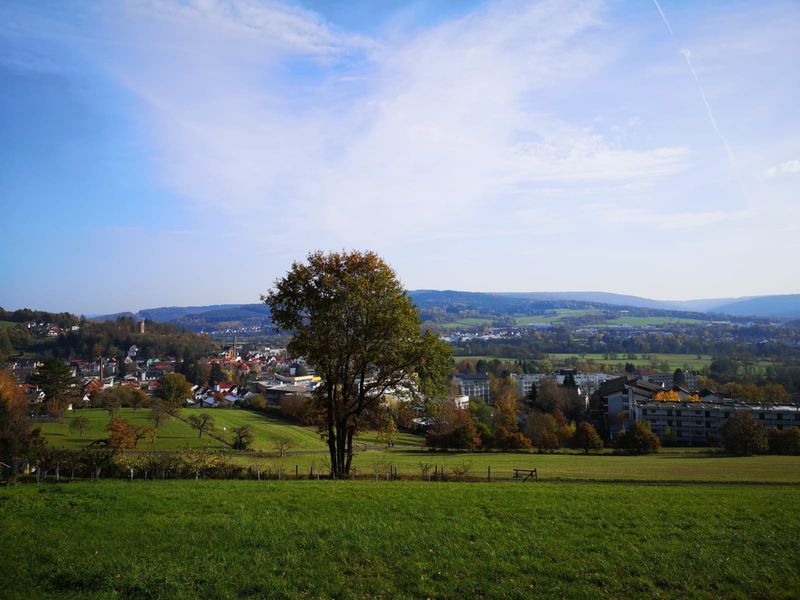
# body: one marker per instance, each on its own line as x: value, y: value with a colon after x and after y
x: 784, y: 441
x: 511, y: 440
x: 297, y: 408
x: 586, y: 438
x: 742, y: 434
x: 639, y: 439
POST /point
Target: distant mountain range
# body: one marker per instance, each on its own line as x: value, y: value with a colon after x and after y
x: 221, y: 315
x: 780, y: 306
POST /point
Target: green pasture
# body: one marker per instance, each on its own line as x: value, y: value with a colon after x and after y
x: 237, y: 539
x: 668, y: 466
x: 556, y: 315
x: 485, y: 357
x: 173, y: 433
x: 267, y: 429
x: 643, y: 321
x: 7, y: 324
x: 467, y: 323
x: 674, y: 361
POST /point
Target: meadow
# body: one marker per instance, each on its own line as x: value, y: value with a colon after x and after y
x: 409, y: 457
x: 233, y: 539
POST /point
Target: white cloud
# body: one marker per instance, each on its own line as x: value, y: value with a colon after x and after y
x: 790, y: 167
x: 399, y: 135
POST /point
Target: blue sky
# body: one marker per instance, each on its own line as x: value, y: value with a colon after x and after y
x: 166, y: 153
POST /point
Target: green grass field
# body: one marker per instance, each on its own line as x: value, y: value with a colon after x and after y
x: 173, y: 433
x: 674, y: 361
x: 210, y: 539
x: 556, y: 315
x: 7, y: 324
x: 467, y: 323
x: 642, y: 321
x: 408, y: 453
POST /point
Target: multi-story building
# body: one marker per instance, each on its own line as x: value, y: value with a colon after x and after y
x: 621, y: 402
x: 473, y: 385
x: 701, y: 422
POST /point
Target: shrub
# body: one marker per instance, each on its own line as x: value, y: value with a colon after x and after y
x: 586, y: 438
x: 297, y: 408
x: 639, y: 439
x: 511, y: 440
x: 742, y: 434
x: 784, y: 441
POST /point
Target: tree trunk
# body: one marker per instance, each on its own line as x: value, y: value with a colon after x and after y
x: 349, y: 451
x: 331, y: 432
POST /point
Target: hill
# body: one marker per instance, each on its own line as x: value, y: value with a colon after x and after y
x: 784, y: 307
x: 217, y: 316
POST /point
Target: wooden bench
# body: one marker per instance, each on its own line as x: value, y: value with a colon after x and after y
x: 526, y: 474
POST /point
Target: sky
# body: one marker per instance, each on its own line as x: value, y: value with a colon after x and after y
x: 166, y: 152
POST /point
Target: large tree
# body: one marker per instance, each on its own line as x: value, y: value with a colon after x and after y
x: 351, y: 319
x: 173, y: 390
x: 16, y: 437
x: 55, y: 379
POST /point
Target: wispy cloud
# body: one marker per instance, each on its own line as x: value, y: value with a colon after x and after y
x: 398, y: 134
x: 790, y: 167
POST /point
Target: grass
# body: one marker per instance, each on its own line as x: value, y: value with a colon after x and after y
x: 663, y: 467
x: 670, y: 465
x: 484, y: 357
x: 266, y: 429
x: 173, y: 433
x: 556, y: 315
x: 176, y: 433
x: 642, y: 321
x: 690, y: 361
x: 467, y: 323
x: 190, y: 539
x: 7, y: 324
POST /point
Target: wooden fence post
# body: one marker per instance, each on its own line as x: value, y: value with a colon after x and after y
x: 489, y: 473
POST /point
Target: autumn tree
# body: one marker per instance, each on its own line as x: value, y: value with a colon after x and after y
x: 282, y: 446
x: 639, y: 439
x: 79, y: 423
x: 242, y: 437
x: 157, y: 415
x: 55, y: 379
x: 202, y: 422
x: 586, y: 438
x: 743, y: 434
x: 351, y: 319
x: 784, y: 441
x: 173, y: 390
x: 454, y: 428
x: 542, y: 429
x: 506, y: 411
x: 17, y: 439
x: 388, y: 432
x: 121, y: 434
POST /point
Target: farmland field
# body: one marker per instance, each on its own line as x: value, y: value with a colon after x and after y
x: 173, y: 433
x: 675, y: 361
x: 7, y: 324
x: 231, y: 539
x: 641, y: 321
x: 409, y: 453
x: 556, y: 315
x: 467, y: 323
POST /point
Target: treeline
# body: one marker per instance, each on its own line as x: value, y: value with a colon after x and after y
x: 23, y: 315
x: 110, y: 339
x: 756, y: 341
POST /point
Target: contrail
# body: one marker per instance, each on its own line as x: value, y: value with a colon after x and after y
x: 688, y: 56
x: 731, y: 157
x: 663, y: 16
